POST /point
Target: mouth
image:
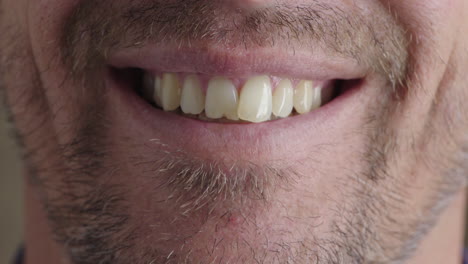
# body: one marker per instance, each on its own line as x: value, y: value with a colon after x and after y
x: 217, y: 89
x: 211, y: 105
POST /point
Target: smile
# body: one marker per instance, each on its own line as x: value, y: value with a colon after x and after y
x: 212, y: 87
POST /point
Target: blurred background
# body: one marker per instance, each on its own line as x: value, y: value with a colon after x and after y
x: 11, y: 199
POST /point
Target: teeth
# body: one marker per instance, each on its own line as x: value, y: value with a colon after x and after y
x: 192, y: 100
x: 316, y: 98
x: 170, y: 92
x: 255, y: 103
x: 283, y: 99
x: 221, y: 99
x: 304, y: 97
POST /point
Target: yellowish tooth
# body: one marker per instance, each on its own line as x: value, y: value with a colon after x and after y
x: 192, y: 100
x: 157, y: 91
x: 255, y: 101
x: 170, y: 92
x: 221, y: 99
x: 283, y: 99
x: 303, y: 97
x: 316, y: 98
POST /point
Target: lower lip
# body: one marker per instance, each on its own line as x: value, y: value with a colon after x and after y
x: 172, y: 126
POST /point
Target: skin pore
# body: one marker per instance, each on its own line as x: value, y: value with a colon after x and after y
x: 379, y: 181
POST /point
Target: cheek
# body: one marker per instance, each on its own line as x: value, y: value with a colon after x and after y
x: 46, y: 19
x: 437, y: 16
x: 434, y: 27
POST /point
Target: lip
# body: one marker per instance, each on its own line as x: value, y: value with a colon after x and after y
x: 237, y: 141
x: 238, y: 62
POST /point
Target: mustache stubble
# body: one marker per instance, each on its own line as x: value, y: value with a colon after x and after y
x: 377, y: 40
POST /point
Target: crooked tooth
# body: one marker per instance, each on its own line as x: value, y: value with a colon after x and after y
x: 221, y: 99
x: 192, y: 100
x: 283, y: 98
x: 255, y: 103
x: 303, y: 97
x: 170, y: 92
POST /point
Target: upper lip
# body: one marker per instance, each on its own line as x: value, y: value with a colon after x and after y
x: 238, y: 62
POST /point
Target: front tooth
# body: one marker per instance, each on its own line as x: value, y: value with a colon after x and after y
x: 221, y: 99
x: 192, y: 99
x: 170, y: 92
x: 303, y: 97
x: 255, y: 101
x: 283, y: 98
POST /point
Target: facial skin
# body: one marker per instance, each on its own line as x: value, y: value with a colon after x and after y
x: 113, y: 180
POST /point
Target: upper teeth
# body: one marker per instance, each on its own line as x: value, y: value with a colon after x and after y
x: 222, y: 99
x: 192, y: 100
x: 258, y: 101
